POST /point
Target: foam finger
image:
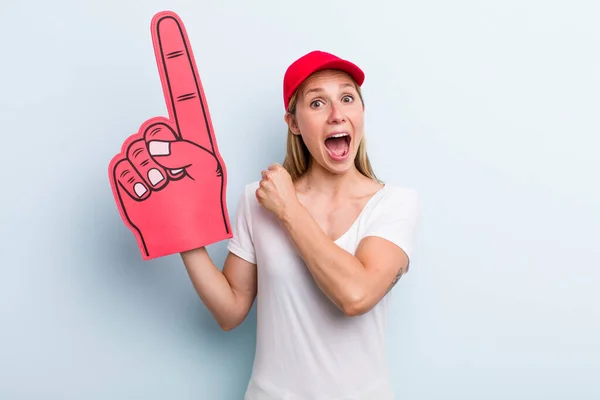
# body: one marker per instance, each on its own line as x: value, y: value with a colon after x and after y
x: 181, y: 83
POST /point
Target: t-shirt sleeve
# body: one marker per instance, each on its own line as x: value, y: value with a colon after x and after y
x: 395, y: 219
x: 241, y: 243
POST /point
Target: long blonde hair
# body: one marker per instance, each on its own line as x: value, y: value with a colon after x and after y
x: 297, y: 158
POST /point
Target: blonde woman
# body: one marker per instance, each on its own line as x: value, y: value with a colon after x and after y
x: 319, y: 242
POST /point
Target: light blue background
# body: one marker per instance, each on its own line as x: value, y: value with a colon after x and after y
x: 489, y: 109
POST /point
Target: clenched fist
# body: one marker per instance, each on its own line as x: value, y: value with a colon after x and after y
x: 276, y: 191
x: 169, y: 180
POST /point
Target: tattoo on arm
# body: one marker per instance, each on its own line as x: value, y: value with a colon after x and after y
x: 396, y: 279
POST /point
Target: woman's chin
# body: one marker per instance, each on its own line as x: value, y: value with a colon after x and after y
x: 337, y: 164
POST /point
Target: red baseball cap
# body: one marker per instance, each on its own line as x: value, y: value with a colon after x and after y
x: 312, y: 62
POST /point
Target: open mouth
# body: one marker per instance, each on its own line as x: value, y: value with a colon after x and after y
x: 338, y: 145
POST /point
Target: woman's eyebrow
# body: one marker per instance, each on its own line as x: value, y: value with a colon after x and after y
x: 319, y: 89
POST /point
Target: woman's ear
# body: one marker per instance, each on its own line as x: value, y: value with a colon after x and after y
x: 292, y: 123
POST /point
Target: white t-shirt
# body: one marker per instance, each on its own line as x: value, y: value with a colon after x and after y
x: 306, y: 348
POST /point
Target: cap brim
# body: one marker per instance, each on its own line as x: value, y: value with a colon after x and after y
x: 346, y: 66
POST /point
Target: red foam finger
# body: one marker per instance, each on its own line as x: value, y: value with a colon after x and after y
x: 190, y: 211
x: 153, y: 174
x: 180, y: 80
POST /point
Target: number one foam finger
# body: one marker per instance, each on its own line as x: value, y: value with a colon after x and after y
x: 169, y: 180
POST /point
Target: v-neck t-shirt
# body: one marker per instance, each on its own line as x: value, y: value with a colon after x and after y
x: 306, y: 348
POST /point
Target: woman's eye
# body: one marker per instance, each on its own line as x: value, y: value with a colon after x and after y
x: 347, y: 99
x: 315, y: 103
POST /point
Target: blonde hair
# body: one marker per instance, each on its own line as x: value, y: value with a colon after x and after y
x: 297, y: 159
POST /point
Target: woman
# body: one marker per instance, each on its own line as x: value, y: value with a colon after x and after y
x: 319, y: 242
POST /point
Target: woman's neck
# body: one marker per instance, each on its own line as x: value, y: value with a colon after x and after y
x: 327, y: 183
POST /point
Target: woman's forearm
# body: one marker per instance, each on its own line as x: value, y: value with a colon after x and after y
x: 339, y: 274
x: 212, y: 286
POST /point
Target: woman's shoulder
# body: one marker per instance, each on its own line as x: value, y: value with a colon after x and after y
x: 249, y: 190
x: 399, y: 191
x: 396, y: 198
x: 251, y: 186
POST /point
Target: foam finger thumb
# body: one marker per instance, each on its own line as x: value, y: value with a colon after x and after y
x: 178, y: 154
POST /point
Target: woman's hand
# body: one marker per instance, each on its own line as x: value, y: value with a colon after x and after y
x: 276, y: 191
